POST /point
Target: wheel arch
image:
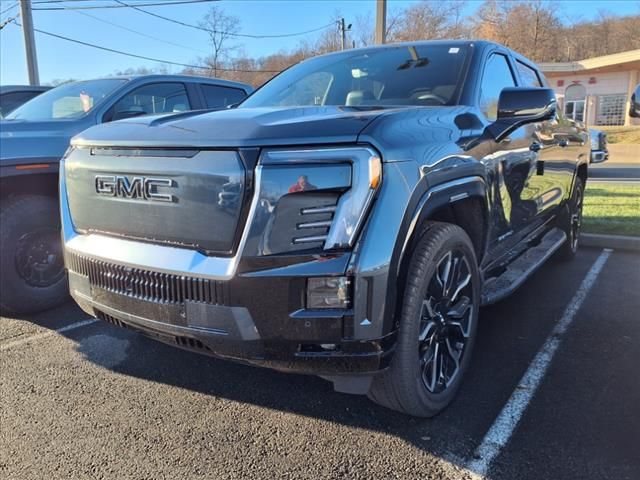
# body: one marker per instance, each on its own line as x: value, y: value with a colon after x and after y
x: 462, y: 202
x: 45, y: 183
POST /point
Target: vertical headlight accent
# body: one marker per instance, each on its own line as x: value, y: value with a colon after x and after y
x: 354, y: 204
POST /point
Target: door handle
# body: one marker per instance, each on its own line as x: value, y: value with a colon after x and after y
x: 535, y: 147
x: 563, y: 143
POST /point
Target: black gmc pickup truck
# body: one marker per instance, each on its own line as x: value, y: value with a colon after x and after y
x: 346, y: 220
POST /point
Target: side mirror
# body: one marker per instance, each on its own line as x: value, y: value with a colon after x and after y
x: 634, y: 109
x: 518, y: 106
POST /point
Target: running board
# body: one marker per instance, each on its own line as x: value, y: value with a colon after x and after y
x: 521, y: 268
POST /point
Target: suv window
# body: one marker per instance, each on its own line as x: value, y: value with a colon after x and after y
x: 528, y: 75
x: 150, y: 99
x: 11, y: 101
x: 217, y: 96
x: 497, y: 75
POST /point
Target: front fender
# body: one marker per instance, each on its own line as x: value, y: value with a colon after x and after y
x: 406, y: 199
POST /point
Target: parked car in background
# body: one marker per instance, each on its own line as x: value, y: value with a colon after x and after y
x: 35, y: 136
x: 599, y: 150
x: 634, y: 108
x: 12, y: 96
x: 347, y: 220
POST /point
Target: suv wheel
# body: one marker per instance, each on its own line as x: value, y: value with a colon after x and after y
x: 571, y: 221
x: 32, y: 275
x: 438, y: 324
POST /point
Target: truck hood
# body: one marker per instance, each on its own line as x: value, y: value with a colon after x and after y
x: 24, y: 142
x: 235, y: 128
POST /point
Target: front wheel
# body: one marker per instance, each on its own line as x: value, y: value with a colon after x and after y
x: 32, y: 275
x: 438, y: 324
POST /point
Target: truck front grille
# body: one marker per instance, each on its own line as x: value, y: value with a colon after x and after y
x: 146, y: 284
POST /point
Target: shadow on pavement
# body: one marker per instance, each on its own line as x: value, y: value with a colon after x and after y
x: 510, y: 334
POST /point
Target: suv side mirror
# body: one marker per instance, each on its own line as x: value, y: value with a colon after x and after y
x: 518, y: 106
x: 634, y: 109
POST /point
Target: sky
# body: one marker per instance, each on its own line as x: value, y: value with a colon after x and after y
x: 59, y: 59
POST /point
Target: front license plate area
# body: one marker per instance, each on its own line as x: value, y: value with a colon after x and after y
x: 170, y: 313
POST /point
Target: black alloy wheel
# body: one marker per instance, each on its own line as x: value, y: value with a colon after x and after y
x: 445, y: 321
x: 570, y: 221
x: 437, y: 324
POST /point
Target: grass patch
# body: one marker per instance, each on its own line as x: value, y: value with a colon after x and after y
x: 612, y: 209
x: 621, y: 134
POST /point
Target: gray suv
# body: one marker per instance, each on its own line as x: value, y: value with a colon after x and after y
x: 35, y: 136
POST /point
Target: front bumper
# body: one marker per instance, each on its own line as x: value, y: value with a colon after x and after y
x: 263, y: 331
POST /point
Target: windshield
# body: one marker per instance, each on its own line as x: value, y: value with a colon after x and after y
x: 404, y: 75
x: 68, y: 101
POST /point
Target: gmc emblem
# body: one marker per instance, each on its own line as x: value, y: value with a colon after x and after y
x: 138, y: 188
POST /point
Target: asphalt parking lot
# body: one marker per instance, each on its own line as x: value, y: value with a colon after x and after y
x: 90, y: 400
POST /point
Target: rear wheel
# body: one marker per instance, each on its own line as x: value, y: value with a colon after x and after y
x: 32, y: 275
x: 571, y: 221
x: 438, y: 325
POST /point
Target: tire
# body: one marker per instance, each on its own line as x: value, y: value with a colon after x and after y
x: 425, y: 322
x: 571, y: 222
x: 32, y: 275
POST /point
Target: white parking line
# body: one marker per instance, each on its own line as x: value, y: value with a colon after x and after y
x: 504, y: 425
x: 42, y: 335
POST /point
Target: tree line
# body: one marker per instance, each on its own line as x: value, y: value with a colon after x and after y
x: 539, y: 29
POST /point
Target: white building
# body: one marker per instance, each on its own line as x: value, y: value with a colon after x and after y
x: 597, y: 90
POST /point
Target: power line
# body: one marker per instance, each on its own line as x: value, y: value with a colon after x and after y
x: 7, y: 21
x: 139, y: 33
x: 120, y: 52
x: 96, y: 7
x: 15, y: 4
x: 208, y: 30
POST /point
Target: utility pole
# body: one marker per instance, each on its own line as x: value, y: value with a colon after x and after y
x: 29, y: 42
x: 343, y: 33
x: 381, y: 21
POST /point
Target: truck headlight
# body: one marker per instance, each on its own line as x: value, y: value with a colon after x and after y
x: 353, y: 203
x: 595, y: 141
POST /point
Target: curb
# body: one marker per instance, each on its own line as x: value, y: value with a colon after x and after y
x: 619, y: 242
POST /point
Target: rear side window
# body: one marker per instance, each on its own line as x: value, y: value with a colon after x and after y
x: 153, y: 98
x: 497, y: 75
x: 217, y: 96
x: 528, y: 75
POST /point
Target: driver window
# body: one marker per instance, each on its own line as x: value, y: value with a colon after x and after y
x: 151, y: 99
x: 497, y: 75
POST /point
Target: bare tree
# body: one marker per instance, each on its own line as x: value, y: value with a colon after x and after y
x: 531, y: 27
x: 221, y: 28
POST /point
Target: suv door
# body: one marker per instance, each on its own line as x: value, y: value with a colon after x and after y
x: 149, y: 99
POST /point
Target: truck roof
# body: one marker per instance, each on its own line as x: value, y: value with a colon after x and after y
x: 158, y: 77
